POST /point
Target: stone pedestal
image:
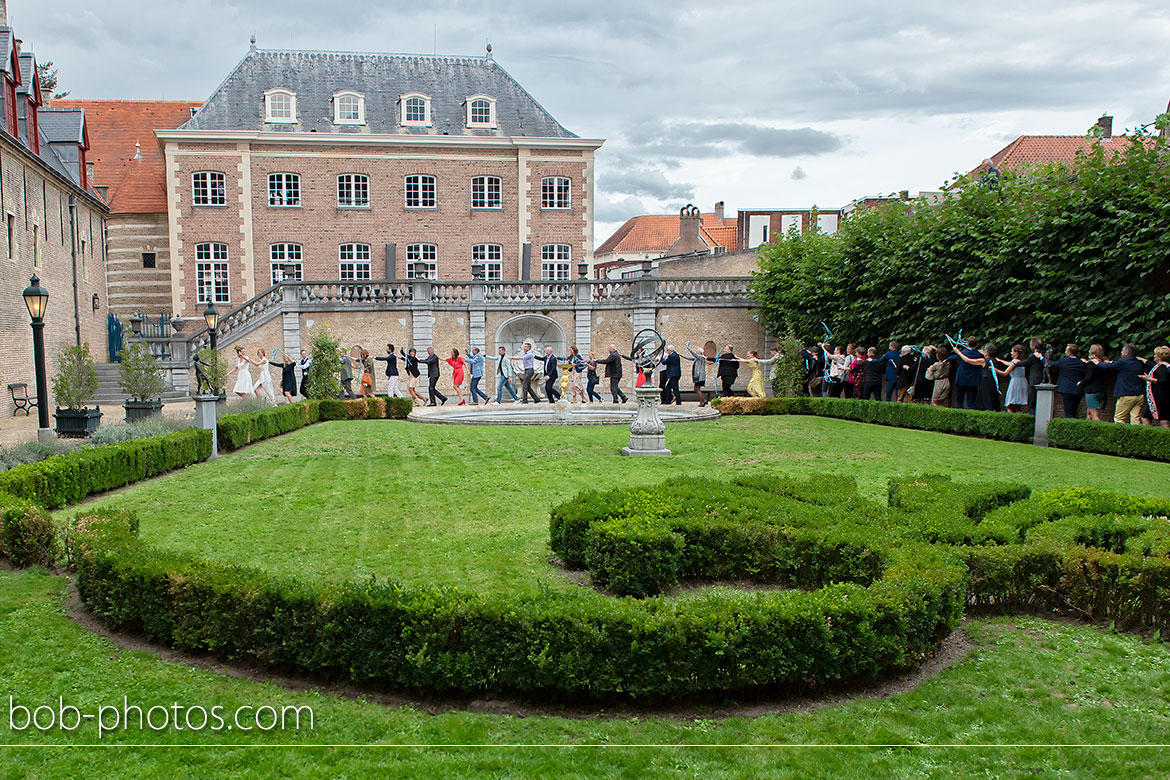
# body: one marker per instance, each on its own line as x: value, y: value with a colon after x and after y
x: 647, y: 431
x: 205, y: 420
x: 1045, y: 400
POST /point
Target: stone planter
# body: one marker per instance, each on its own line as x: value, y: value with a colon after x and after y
x: 77, y: 423
x: 140, y: 410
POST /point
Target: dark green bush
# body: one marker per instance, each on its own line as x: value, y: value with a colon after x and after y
x: 633, y: 557
x: 67, y: 479
x: 332, y: 409
x: 27, y: 535
x: 356, y: 409
x: 398, y: 408
x: 1129, y: 441
x: 238, y: 430
x: 376, y: 408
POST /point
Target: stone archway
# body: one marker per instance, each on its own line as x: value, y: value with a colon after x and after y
x: 540, y: 331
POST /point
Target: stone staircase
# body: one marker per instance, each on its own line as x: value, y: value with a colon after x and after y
x: 110, y: 394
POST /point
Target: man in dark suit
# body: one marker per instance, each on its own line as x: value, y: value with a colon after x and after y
x: 1129, y: 388
x: 432, y: 363
x: 551, y: 374
x: 728, y: 370
x: 891, y: 361
x: 671, y: 373
x: 613, y: 372
x: 1070, y: 379
x: 1034, y: 370
x: 967, y: 376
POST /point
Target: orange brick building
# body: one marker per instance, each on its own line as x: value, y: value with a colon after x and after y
x: 327, y: 166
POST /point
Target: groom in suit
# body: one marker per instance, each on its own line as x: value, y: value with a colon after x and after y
x: 671, y: 373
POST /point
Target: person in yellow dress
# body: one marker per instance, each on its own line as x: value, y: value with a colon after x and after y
x: 755, y: 386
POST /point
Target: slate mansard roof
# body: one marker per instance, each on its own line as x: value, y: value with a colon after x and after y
x: 238, y: 103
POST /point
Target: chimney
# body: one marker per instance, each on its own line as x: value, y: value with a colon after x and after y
x: 719, y: 211
x: 3, y: 13
x: 89, y: 171
x: 1106, y: 125
x: 46, y: 96
x: 689, y: 221
x: 904, y: 194
x: 16, y: 42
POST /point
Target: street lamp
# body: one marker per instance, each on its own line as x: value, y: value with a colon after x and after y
x: 36, y: 298
x: 211, y: 317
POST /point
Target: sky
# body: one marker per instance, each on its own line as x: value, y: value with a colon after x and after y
x: 758, y: 103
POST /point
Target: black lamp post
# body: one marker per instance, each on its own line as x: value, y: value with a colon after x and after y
x: 211, y: 317
x: 36, y: 298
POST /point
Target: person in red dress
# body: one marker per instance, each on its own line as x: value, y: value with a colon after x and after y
x: 456, y: 363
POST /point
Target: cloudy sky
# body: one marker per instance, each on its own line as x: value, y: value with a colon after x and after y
x: 757, y: 103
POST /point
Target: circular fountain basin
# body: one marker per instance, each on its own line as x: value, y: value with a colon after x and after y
x: 555, y: 414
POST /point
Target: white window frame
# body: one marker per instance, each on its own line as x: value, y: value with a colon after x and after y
x: 270, y: 117
x: 353, y: 261
x: 425, y: 253
x: 211, y: 273
x: 284, y: 184
x: 468, y: 117
x: 281, y: 257
x: 491, y: 257
x: 426, y: 101
x: 556, y: 263
x: 417, y: 187
x: 338, y: 119
x: 352, y: 180
x: 482, y: 189
x: 210, y: 191
x: 552, y: 190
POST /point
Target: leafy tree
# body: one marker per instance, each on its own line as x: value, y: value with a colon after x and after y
x: 1073, y: 253
x: 788, y: 377
x: 140, y: 374
x: 76, y: 380
x: 325, y: 374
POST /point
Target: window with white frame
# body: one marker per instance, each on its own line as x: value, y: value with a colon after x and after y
x: 280, y: 106
x: 485, y: 192
x: 554, y: 192
x: 554, y: 262
x: 284, y: 189
x: 354, y: 261
x: 211, y: 273
x: 420, y: 192
x: 490, y: 256
x: 481, y: 111
x: 349, y: 108
x: 416, y: 110
x: 286, y: 262
x: 353, y: 191
x: 422, y: 253
x: 208, y: 189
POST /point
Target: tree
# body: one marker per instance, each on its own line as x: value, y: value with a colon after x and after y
x: 325, y: 373
x: 47, y: 75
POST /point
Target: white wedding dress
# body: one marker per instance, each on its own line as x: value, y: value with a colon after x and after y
x: 264, y: 381
x: 244, y: 378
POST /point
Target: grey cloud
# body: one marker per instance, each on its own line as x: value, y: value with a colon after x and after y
x: 648, y: 182
x: 609, y: 210
x: 798, y: 174
x: 694, y: 139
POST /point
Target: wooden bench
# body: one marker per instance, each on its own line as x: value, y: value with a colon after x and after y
x: 20, y: 399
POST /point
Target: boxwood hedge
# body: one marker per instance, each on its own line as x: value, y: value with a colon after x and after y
x: 238, y: 430
x: 1129, y: 441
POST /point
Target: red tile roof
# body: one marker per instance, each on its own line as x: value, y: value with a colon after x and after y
x: 1036, y: 150
x: 115, y: 127
x: 656, y: 233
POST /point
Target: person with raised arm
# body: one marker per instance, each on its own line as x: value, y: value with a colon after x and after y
x: 503, y: 376
x: 527, y: 360
x: 1128, y: 387
x: 410, y: 364
x: 698, y: 371
x: 591, y: 379
x: 577, y: 368
x: 456, y: 363
x: 474, y: 361
x: 613, y: 372
x: 1070, y: 379
x: 671, y: 374
x: 244, y: 385
x: 288, y: 375
x: 306, y: 364
x: 391, y: 361
x: 432, y: 363
x: 756, y: 383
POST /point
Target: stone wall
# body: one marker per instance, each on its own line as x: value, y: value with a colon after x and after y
x: 134, y: 287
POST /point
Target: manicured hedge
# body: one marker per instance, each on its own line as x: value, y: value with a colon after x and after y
x: 27, y: 534
x: 398, y: 408
x: 576, y: 644
x: 238, y: 430
x: 66, y: 479
x: 1129, y: 441
x: 1003, y: 426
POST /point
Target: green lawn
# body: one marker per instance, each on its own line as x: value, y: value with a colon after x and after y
x: 1029, y: 681
x: 468, y: 505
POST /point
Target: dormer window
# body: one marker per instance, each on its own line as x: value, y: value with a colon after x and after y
x: 349, y: 108
x: 280, y: 106
x: 416, y: 110
x: 481, y: 111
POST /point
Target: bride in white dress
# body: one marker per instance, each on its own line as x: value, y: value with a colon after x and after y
x: 244, y: 384
x: 263, y: 378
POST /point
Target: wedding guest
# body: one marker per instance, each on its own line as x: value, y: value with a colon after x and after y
x: 613, y: 372
x: 503, y: 376
x: 475, y: 368
x: 577, y: 369
x: 698, y: 371
x: 411, y: 365
x: 306, y: 363
x: 347, y: 376
x: 391, y: 361
x: 551, y: 374
x: 1070, y: 378
x: 244, y: 385
x: 1159, y: 386
x: 940, y: 374
x: 527, y: 360
x: 263, y: 377
x: 1128, y: 387
x: 591, y: 379
x: 366, y: 383
x: 727, y: 370
x: 288, y: 377
x: 923, y: 386
x: 456, y: 363
x: 435, y: 398
x: 1016, y: 397
x: 671, y: 374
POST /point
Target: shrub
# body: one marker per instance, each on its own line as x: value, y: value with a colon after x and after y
x: 34, y: 452
x: 376, y: 408
x: 157, y: 426
x: 633, y: 557
x: 27, y: 535
x: 325, y: 373
x: 67, y: 479
x: 356, y: 409
x: 139, y: 373
x: 332, y: 409
x: 237, y: 430
x: 1129, y: 441
x: 399, y: 408
x: 76, y: 379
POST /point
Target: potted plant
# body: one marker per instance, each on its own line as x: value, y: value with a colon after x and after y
x: 75, y: 383
x: 142, y: 379
x: 211, y: 364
